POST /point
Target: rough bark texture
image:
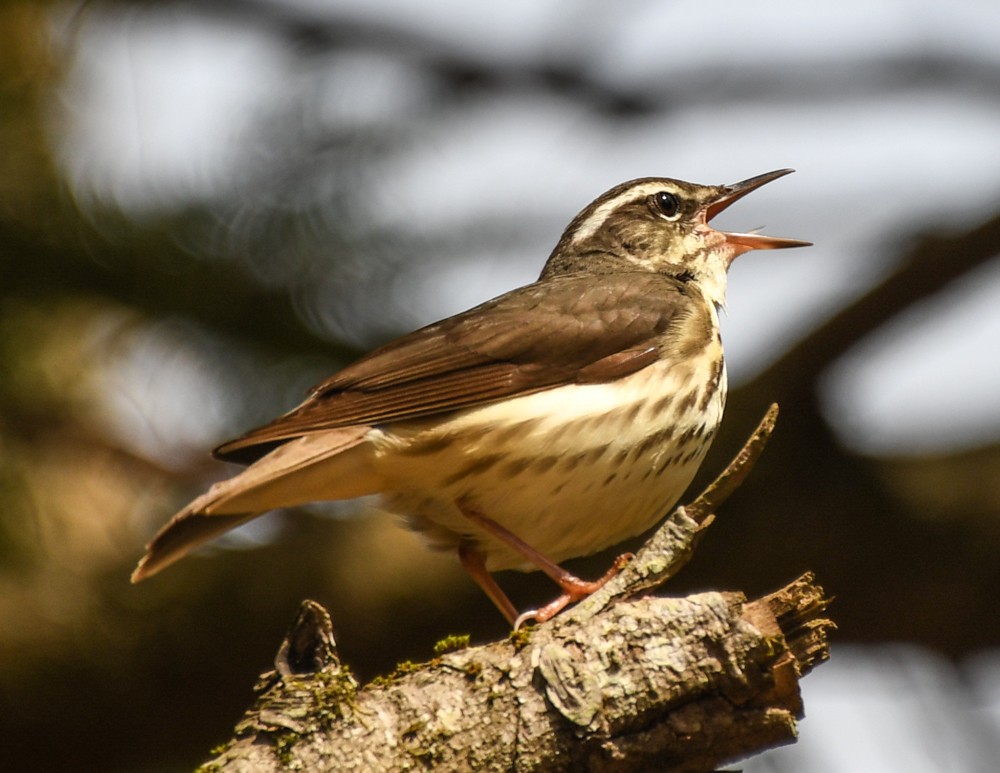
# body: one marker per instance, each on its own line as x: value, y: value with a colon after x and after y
x: 616, y: 683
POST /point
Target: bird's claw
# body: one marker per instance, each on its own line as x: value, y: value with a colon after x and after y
x: 574, y: 589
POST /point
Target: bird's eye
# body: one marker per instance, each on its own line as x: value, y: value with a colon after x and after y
x: 667, y: 204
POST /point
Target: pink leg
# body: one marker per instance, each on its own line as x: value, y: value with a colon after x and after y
x: 573, y: 588
x: 474, y: 564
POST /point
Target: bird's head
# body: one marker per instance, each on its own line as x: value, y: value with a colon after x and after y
x: 662, y: 225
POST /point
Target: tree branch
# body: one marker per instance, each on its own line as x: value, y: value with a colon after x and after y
x: 931, y: 262
x: 617, y: 683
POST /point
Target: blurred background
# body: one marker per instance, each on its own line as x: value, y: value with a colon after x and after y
x: 206, y: 207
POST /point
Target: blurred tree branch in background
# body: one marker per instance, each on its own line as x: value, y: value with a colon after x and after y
x: 132, y: 340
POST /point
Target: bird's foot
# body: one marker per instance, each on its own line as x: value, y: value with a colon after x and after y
x: 573, y: 589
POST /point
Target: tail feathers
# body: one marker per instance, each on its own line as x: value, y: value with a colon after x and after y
x: 186, y: 531
x: 331, y: 465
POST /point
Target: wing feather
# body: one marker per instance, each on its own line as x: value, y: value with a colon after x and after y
x: 570, y: 329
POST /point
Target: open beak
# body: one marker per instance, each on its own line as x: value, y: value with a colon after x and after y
x: 744, y: 242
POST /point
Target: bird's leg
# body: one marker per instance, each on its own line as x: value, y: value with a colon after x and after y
x: 573, y: 588
x: 580, y: 590
x: 474, y: 564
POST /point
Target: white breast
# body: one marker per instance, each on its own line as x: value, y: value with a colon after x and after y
x: 571, y: 470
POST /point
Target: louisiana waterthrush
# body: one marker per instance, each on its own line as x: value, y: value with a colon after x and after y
x: 551, y: 422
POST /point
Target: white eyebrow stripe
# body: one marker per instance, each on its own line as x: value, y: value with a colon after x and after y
x: 592, y: 224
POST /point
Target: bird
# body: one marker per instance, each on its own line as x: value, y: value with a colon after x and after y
x: 553, y: 421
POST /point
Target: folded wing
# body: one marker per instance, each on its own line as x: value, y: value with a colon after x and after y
x: 570, y: 329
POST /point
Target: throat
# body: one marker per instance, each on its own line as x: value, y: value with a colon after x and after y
x: 711, y: 280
